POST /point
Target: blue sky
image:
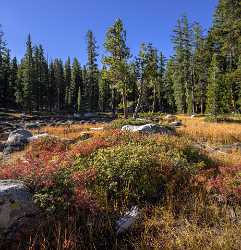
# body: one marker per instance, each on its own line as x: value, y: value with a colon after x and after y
x: 61, y: 25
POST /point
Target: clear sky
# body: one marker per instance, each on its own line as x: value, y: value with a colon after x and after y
x: 61, y: 25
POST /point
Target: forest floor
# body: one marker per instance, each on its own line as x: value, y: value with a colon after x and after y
x: 85, y: 176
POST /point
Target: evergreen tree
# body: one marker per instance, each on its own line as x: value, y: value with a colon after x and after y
x: 41, y: 77
x: 13, y: 81
x: 92, y: 91
x: 7, y: 78
x: 133, y: 89
x: 67, y: 79
x: 19, y: 93
x: 52, y: 88
x: 161, y: 80
x: 76, y: 84
x: 142, y: 76
x: 28, y: 76
x: 218, y: 94
x: 152, y: 68
x: 200, y: 68
x: 182, y: 40
x: 104, y: 91
x: 224, y: 38
x: 59, y: 83
x: 169, y: 79
x: 5, y: 71
x: 117, y: 61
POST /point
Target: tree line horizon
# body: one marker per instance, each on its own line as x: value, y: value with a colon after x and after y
x: 202, y: 76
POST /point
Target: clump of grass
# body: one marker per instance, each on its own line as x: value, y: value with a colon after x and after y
x: 224, y: 118
x: 70, y: 131
x: 214, y: 133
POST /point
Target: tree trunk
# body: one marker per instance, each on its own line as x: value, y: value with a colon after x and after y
x: 125, y: 104
x: 113, y: 102
x: 138, y: 105
x: 154, y: 100
x: 139, y: 101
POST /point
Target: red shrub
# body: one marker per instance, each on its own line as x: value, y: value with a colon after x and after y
x: 87, y: 147
x: 47, y: 170
x: 227, y: 182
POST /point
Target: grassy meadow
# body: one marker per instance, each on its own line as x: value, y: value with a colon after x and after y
x: 188, y: 190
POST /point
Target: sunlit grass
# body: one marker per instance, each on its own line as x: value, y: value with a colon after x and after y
x: 70, y: 131
x: 215, y: 133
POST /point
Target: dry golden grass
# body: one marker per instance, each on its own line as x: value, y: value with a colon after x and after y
x: 72, y: 131
x: 226, y: 159
x: 215, y: 133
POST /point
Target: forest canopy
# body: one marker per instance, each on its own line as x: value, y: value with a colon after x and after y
x: 202, y: 76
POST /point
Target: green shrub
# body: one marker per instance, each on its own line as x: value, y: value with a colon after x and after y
x: 127, y: 172
x: 223, y: 118
x: 135, y: 171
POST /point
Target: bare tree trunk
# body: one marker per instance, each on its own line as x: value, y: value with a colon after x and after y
x: 113, y: 102
x: 154, y: 100
x: 138, y: 105
x: 139, y: 102
x: 125, y: 103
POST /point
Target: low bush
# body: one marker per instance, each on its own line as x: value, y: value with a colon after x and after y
x: 127, y: 173
x: 46, y: 169
x: 224, y: 118
x: 227, y: 183
x: 140, y: 170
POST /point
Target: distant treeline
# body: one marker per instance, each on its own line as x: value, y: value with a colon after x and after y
x: 203, y: 75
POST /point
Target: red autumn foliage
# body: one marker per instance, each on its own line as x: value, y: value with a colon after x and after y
x: 87, y: 147
x: 227, y: 182
x: 43, y: 167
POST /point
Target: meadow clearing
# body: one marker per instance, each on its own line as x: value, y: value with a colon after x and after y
x: 187, y: 186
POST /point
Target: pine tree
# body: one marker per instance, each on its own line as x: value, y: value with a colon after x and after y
x: 152, y: 68
x: 76, y: 84
x: 169, y: 79
x: 13, y: 82
x: 224, y: 38
x: 41, y: 77
x: 218, y: 95
x: 104, y: 91
x: 142, y: 76
x: 117, y: 61
x: 7, y: 78
x: 67, y: 79
x: 5, y: 71
x: 19, y: 93
x: 52, y: 88
x: 133, y: 89
x: 161, y: 90
x: 92, y: 91
x: 183, y: 88
x: 200, y: 68
x: 59, y: 83
x: 28, y: 76
x: 213, y: 88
